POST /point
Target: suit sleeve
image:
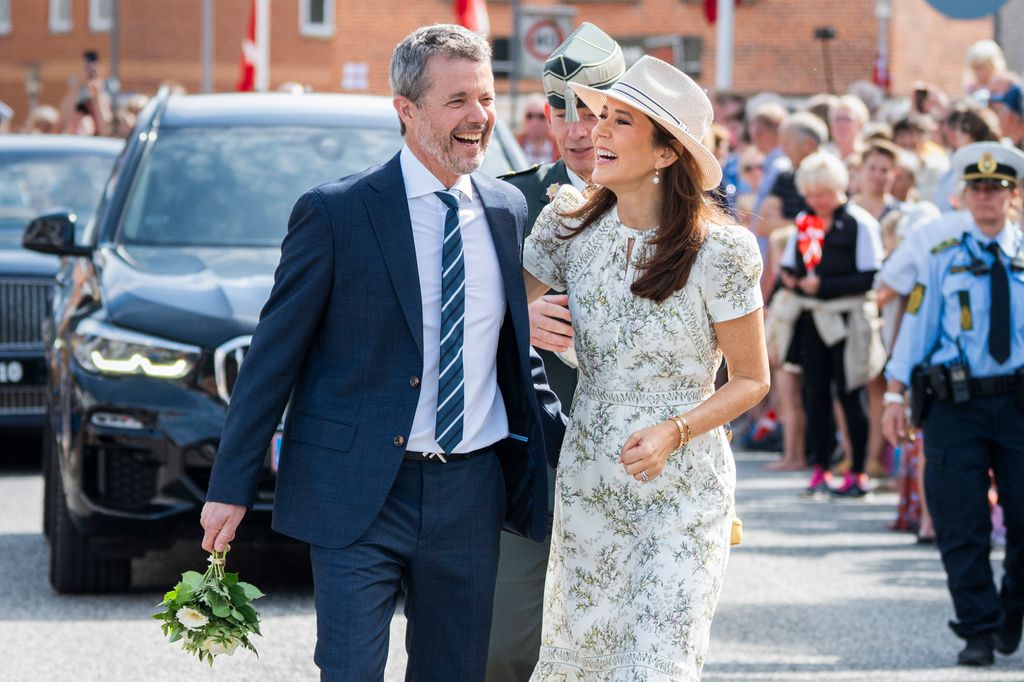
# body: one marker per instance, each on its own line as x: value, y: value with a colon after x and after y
x: 302, y: 284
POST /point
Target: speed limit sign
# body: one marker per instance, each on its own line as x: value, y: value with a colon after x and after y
x: 542, y: 30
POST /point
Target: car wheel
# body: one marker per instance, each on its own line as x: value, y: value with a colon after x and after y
x: 49, y: 477
x: 74, y: 567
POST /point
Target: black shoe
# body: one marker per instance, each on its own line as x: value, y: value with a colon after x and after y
x: 852, y: 490
x: 1007, y: 637
x: 820, y: 488
x: 978, y: 651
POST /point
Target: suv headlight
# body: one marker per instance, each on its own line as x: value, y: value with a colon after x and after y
x: 105, y: 349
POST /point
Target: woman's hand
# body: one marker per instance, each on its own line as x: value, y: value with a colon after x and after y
x: 810, y: 285
x: 647, y: 450
x: 789, y: 281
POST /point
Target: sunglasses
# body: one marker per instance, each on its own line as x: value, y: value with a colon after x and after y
x: 749, y: 167
x: 534, y: 116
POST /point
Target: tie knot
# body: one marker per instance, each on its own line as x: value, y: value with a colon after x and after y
x: 993, y: 248
x: 450, y: 199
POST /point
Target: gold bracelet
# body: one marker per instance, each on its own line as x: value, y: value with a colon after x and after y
x: 684, y: 430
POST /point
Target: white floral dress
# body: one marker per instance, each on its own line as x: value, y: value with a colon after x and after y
x: 636, y: 568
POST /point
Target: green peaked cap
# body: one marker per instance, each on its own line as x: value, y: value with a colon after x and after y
x: 589, y: 57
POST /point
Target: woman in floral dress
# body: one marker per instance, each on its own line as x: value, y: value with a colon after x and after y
x: 660, y: 288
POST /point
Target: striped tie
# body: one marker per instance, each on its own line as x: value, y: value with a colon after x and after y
x: 451, y: 379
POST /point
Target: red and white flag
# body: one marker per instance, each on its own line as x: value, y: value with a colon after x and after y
x: 473, y: 15
x: 250, y: 55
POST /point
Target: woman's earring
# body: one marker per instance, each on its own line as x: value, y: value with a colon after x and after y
x: 655, y: 179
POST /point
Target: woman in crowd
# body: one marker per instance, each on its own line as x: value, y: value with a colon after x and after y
x: 832, y: 317
x: 660, y: 288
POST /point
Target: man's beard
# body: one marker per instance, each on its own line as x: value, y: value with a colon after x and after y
x: 440, y: 145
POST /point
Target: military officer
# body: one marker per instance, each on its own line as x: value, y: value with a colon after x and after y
x: 962, y: 340
x: 591, y: 57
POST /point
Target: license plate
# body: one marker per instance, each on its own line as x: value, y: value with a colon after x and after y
x: 275, y: 450
x: 24, y: 372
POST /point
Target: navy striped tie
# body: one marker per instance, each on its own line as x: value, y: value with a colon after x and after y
x: 451, y: 378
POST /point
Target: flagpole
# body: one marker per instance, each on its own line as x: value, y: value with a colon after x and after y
x: 724, y: 35
x: 207, y: 48
x: 513, y: 54
x: 262, y: 45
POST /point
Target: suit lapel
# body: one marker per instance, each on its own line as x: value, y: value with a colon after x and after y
x: 507, y: 243
x: 389, y: 214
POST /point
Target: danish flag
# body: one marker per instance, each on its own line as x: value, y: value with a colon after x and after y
x: 473, y: 15
x: 810, y: 238
x: 247, y: 66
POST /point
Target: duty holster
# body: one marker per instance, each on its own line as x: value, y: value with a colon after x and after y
x: 921, y: 393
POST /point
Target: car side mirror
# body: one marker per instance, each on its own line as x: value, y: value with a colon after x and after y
x: 54, y: 233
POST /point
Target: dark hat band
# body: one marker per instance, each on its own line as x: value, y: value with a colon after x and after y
x: 1000, y: 172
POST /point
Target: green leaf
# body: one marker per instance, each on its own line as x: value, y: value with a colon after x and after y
x: 238, y: 597
x: 192, y: 579
x: 250, y: 614
x: 251, y: 591
x: 230, y: 579
x: 218, y: 604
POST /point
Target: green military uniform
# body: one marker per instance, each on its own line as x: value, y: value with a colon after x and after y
x: 590, y: 57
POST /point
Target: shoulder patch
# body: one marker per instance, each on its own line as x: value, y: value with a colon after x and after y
x: 945, y: 245
x: 519, y: 174
x: 915, y: 299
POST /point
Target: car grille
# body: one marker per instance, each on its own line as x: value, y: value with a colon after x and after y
x: 126, y: 478
x: 227, y: 360
x: 24, y: 303
x: 22, y: 401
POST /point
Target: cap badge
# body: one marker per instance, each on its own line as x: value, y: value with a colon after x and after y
x: 987, y: 164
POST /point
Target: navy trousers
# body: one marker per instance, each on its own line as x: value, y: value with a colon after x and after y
x: 436, y: 539
x: 962, y: 442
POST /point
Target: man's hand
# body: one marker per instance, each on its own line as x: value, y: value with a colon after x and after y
x: 894, y: 424
x: 550, y: 327
x: 220, y: 521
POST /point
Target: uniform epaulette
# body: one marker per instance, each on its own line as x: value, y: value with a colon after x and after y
x: 518, y: 174
x: 945, y: 245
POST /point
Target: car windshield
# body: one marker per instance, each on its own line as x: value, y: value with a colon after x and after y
x: 30, y: 185
x: 236, y: 186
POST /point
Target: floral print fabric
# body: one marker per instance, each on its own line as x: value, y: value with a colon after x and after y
x: 636, y: 568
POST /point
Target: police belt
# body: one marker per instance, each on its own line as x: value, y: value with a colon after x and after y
x: 984, y: 387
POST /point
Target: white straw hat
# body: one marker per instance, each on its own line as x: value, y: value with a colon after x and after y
x: 671, y: 98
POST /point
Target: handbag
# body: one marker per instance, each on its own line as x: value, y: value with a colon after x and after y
x: 736, y: 534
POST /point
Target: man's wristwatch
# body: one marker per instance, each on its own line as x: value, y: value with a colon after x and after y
x: 893, y: 398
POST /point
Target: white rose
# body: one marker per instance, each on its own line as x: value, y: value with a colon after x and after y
x: 191, y: 618
x: 216, y: 648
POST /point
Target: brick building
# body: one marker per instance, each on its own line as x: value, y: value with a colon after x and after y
x: 336, y: 45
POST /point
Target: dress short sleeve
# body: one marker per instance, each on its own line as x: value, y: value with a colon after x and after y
x: 731, y: 273
x: 545, y: 252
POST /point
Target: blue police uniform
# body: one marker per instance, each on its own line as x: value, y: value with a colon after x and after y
x: 965, y: 319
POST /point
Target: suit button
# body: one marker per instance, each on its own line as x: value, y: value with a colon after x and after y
x: 414, y: 381
x: 399, y: 441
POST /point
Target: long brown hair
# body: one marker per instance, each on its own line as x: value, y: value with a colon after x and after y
x: 686, y: 212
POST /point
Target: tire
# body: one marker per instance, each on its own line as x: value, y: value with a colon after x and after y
x: 74, y: 567
x: 50, y: 466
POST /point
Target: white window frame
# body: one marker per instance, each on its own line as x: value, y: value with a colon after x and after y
x: 59, y: 24
x: 98, y: 22
x: 5, y: 24
x: 316, y: 30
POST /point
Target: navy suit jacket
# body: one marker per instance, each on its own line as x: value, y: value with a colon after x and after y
x: 342, y: 336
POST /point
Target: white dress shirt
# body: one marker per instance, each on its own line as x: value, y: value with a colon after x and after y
x: 485, y: 421
x: 576, y: 181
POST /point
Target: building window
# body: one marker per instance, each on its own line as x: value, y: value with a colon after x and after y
x: 101, y: 15
x: 316, y: 18
x: 60, y: 16
x: 5, y: 17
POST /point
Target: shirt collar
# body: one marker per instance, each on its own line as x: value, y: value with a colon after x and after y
x: 1007, y: 239
x: 576, y: 180
x: 419, y: 181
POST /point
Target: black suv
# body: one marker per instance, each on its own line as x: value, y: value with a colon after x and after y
x: 156, y: 303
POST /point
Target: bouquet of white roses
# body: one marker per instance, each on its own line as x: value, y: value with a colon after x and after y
x: 211, y: 613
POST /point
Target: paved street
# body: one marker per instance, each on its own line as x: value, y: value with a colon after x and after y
x: 819, y: 591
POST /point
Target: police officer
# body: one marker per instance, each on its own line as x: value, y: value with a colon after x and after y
x: 590, y: 57
x: 963, y: 341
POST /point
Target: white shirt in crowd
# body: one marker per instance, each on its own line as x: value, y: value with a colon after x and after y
x: 485, y: 421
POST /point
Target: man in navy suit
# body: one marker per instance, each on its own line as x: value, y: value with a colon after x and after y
x: 398, y: 327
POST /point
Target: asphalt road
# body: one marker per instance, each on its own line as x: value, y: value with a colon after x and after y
x: 819, y: 591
